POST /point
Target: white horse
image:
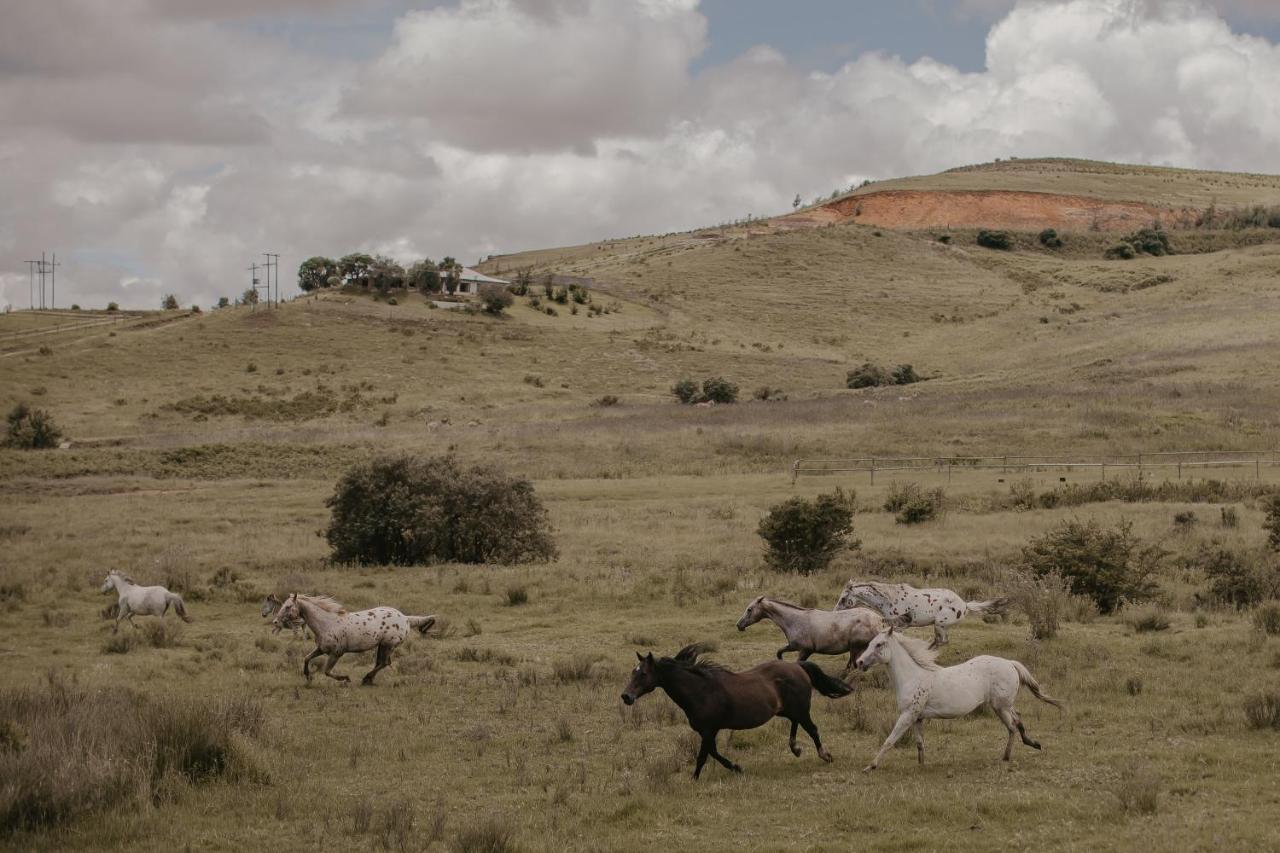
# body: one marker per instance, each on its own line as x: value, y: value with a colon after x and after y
x: 809, y: 632
x: 141, y: 600
x: 270, y: 605
x: 338, y: 632
x: 928, y: 691
x: 909, y: 607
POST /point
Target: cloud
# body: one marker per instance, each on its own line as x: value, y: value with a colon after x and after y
x: 169, y: 150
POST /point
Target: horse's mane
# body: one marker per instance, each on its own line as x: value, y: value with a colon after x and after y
x: 122, y: 576
x: 690, y: 659
x: 785, y: 603
x: 919, y: 651
x: 324, y: 602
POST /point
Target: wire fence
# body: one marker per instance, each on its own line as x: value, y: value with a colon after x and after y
x: 1184, y: 463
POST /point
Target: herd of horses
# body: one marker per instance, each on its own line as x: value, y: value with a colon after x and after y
x: 867, y: 623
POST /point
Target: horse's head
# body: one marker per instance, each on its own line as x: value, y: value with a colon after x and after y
x: 270, y: 605
x: 753, y: 614
x: 877, y: 651
x: 643, y: 679
x: 110, y: 583
x: 287, y: 612
x: 865, y: 593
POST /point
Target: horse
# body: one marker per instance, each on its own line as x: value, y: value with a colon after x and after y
x: 713, y: 698
x: 909, y: 607
x: 270, y: 605
x: 338, y: 632
x: 141, y: 600
x: 928, y: 691
x: 809, y: 632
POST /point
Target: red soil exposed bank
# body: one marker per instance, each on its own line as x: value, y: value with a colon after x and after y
x: 1017, y: 211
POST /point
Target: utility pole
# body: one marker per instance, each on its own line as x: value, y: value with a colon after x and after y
x: 53, y: 281
x: 31, y: 283
x: 273, y: 260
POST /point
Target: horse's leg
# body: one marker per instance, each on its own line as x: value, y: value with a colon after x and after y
x: 805, y: 654
x: 382, y: 661
x: 329, y: 664
x: 905, y: 719
x: 710, y: 743
x: 1006, y: 717
x: 795, y: 750
x: 812, y: 731
x: 789, y: 647
x: 939, y: 635
x: 703, y: 752
x: 918, y: 728
x: 1017, y: 721
x: 306, y: 662
x: 121, y: 612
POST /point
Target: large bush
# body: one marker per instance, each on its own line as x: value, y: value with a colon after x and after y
x: 995, y: 240
x: 1108, y: 565
x: 804, y: 535
x: 716, y: 389
x: 1237, y: 578
x: 495, y: 299
x: 1271, y: 523
x: 31, y: 429
x: 1148, y: 241
x: 870, y: 375
x: 404, y: 510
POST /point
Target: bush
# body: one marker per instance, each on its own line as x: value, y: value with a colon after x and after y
x: 1148, y: 618
x: 1107, y: 565
x: 1043, y: 598
x: 1120, y: 252
x: 805, y: 535
x: 1148, y: 241
x: 995, y: 240
x: 1267, y: 619
x: 1185, y: 520
x: 1228, y: 517
x: 169, y: 303
x: 111, y: 306
x: 867, y: 376
x: 1050, y: 239
x: 606, y: 401
x: 401, y: 509
x: 904, y: 374
x: 1235, y: 578
x: 31, y: 429
x: 1271, y: 521
x: 912, y: 504
x: 686, y: 391
x: 495, y: 300
x: 764, y: 393
x: 719, y: 390
x: 66, y: 751
x: 1262, y: 710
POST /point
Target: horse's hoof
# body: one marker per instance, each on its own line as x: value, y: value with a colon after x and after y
x: 736, y: 768
x: 825, y: 756
x: 868, y: 768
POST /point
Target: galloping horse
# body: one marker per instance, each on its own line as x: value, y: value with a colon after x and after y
x: 141, y: 600
x: 810, y: 631
x: 713, y: 698
x: 338, y: 632
x: 908, y: 607
x: 928, y: 691
x: 270, y: 605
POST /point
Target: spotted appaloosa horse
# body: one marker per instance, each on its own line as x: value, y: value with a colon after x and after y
x: 908, y: 607
x: 338, y: 632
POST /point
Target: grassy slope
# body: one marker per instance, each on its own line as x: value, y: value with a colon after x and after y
x: 655, y: 508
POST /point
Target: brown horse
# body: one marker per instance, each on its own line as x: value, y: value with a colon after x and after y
x: 714, y: 698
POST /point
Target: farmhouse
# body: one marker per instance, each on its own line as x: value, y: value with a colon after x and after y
x: 470, y: 281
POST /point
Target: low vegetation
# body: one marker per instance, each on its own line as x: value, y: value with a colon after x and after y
x: 715, y: 389
x: 1000, y: 240
x: 870, y: 375
x: 1109, y: 565
x: 403, y: 510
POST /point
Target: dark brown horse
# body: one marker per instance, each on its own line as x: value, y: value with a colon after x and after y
x: 714, y: 698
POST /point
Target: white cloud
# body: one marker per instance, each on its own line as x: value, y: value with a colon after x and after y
x: 494, y: 125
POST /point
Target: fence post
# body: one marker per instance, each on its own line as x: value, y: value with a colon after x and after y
x: 1004, y: 465
x: 1139, y: 466
x: 1104, y: 472
x: 795, y: 471
x: 873, y: 471
x: 1179, y: 469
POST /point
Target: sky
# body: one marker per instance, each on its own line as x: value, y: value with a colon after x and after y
x: 162, y: 146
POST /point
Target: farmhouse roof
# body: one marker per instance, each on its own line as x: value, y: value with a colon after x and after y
x: 468, y: 274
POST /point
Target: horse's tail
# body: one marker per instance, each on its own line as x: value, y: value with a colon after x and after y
x: 179, y: 607
x: 422, y: 623
x: 830, y: 687
x: 995, y: 605
x: 1025, y: 676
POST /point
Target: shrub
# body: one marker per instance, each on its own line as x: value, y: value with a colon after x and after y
x: 1183, y: 521
x: 686, y: 391
x: 606, y: 401
x: 1043, y: 598
x: 1267, y: 619
x: 1107, y: 565
x: 1147, y: 241
x: 111, y: 306
x: 31, y: 429
x: 867, y: 376
x: 1049, y: 239
x: 494, y: 300
x: 1148, y: 619
x: 719, y: 390
x: 401, y: 509
x: 492, y: 836
x: 1139, y: 790
x: 1262, y: 710
x: 944, y: 239
x: 805, y: 535
x: 921, y: 507
x: 80, y: 751
x: 1120, y: 252
x: 169, y: 303
x: 765, y: 393
x: 1228, y: 517
x: 995, y: 240
x: 517, y: 595
x: 1237, y: 578
x: 1271, y: 521
x: 904, y: 374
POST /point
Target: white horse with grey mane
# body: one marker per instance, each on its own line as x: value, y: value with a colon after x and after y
x: 809, y: 631
x: 141, y: 600
x: 909, y: 607
x: 928, y: 691
x: 338, y: 632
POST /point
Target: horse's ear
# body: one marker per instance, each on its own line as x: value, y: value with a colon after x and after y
x: 649, y: 657
x: 640, y: 657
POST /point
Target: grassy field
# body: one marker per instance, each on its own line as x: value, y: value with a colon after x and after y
x: 203, y: 448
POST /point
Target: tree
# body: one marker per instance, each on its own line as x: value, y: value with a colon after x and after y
x: 451, y: 273
x: 385, y: 274
x: 495, y: 299
x: 795, y: 202
x: 424, y: 275
x: 111, y: 306
x: 250, y: 296
x: 169, y: 303
x: 354, y: 268
x: 223, y: 302
x: 805, y: 535
x: 314, y: 272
